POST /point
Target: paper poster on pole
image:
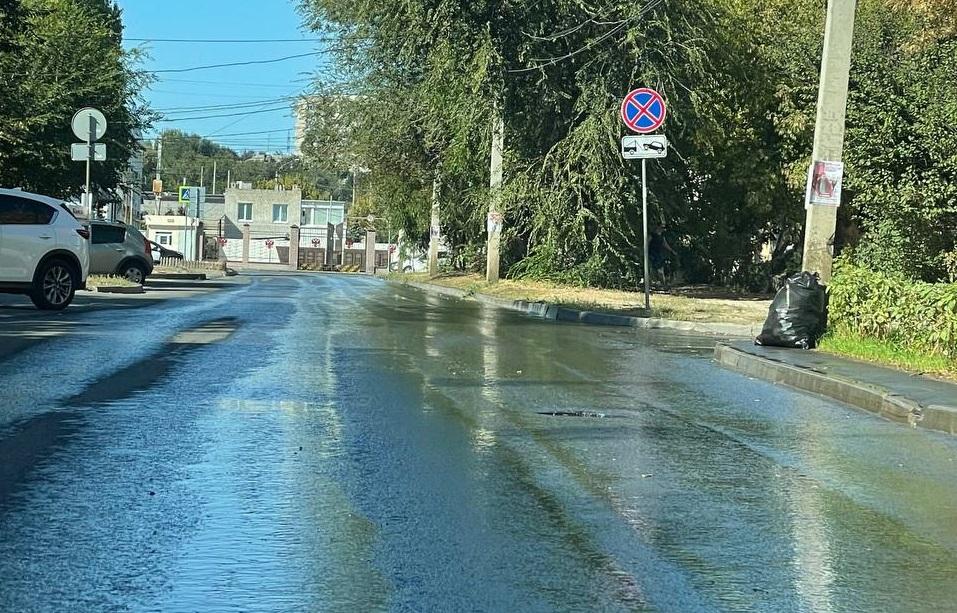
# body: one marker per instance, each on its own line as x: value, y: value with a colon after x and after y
x: 824, y: 183
x: 494, y: 223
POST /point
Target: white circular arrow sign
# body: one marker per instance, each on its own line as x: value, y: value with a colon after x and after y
x: 81, y: 124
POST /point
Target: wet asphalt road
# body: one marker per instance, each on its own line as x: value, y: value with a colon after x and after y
x: 322, y: 443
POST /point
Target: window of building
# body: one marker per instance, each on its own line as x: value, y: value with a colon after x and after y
x: 314, y: 216
x: 335, y: 216
x: 23, y: 211
x: 245, y: 212
x: 164, y: 238
x: 280, y: 213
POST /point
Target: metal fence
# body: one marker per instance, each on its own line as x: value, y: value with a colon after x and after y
x: 181, y: 264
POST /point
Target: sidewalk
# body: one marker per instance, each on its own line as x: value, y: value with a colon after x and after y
x: 893, y: 394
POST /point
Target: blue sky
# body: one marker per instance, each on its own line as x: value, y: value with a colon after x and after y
x: 264, y: 84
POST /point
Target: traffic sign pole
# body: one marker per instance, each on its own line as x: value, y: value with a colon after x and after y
x: 89, y: 125
x: 644, y: 110
x: 91, y: 141
x: 644, y: 223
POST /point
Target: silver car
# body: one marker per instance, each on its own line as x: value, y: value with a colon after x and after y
x: 118, y: 249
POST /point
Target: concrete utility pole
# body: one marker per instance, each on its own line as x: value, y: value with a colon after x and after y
x: 435, y: 226
x: 214, y: 176
x: 821, y: 224
x: 202, y: 176
x: 494, y: 208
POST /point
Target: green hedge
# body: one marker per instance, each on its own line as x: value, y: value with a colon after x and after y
x: 913, y: 315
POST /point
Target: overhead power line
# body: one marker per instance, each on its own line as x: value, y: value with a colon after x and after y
x: 222, y: 107
x: 234, y: 83
x: 256, y: 133
x: 620, y: 25
x: 231, y: 136
x: 230, y: 64
x: 231, y: 40
x: 275, y: 110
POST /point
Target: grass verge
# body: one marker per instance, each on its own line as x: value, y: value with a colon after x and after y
x: 686, y: 304
x: 108, y: 281
x: 889, y: 354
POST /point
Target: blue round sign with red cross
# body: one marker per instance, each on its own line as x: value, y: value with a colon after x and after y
x: 643, y: 110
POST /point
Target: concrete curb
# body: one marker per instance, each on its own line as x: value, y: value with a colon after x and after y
x: 855, y: 393
x: 118, y: 289
x: 554, y: 312
x: 180, y: 276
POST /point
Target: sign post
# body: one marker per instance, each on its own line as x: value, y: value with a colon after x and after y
x: 89, y: 125
x: 191, y: 195
x: 644, y: 111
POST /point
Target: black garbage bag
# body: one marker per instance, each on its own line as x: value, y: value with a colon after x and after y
x: 798, y: 315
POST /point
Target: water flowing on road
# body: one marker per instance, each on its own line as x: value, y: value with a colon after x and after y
x: 337, y: 443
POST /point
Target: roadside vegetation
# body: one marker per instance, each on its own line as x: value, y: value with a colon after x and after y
x: 741, y: 80
x: 891, y: 319
x: 887, y: 353
x: 94, y: 281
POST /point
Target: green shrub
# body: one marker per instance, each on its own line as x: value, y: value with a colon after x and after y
x: 914, y: 315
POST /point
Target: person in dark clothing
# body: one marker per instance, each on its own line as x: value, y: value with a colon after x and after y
x: 658, y: 250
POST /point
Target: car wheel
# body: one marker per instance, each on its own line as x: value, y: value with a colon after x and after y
x: 55, y: 286
x: 134, y: 273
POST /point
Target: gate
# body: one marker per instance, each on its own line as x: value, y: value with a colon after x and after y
x: 268, y: 248
x: 312, y: 248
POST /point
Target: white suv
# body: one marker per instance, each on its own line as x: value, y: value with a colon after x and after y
x: 44, y: 250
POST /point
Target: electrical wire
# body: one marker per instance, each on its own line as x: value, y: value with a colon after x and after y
x: 247, y: 113
x: 257, y: 133
x: 571, y: 30
x: 223, y: 107
x: 231, y: 40
x: 546, y: 62
x: 232, y: 83
x: 231, y: 64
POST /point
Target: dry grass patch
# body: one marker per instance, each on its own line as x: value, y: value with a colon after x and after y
x: 94, y: 281
x: 686, y: 304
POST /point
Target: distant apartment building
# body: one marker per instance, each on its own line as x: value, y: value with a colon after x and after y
x: 301, y: 113
x: 269, y: 215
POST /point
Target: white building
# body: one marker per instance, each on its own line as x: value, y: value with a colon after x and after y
x: 179, y: 233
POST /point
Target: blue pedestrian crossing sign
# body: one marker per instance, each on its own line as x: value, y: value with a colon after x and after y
x: 192, y: 195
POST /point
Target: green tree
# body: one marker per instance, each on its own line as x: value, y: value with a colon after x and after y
x: 193, y: 158
x: 741, y: 80
x: 68, y: 55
